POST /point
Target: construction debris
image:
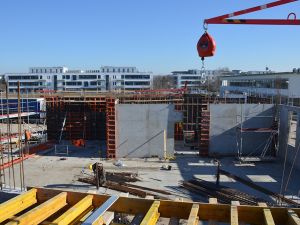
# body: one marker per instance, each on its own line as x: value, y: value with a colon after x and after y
x: 117, y: 181
x: 119, y: 163
x: 123, y: 187
x: 166, y: 167
x: 122, y: 176
x: 261, y: 189
x: 224, y: 194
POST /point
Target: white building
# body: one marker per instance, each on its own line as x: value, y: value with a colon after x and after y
x: 268, y: 84
x: 193, y: 78
x: 61, y: 78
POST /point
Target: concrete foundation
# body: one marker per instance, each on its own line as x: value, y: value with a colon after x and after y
x: 140, y: 129
x: 225, y: 119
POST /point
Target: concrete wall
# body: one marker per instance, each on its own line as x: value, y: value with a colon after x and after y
x: 140, y: 129
x: 224, y: 120
x: 284, y: 148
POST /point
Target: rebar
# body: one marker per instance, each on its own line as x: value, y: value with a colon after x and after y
x: 10, y: 152
x: 21, y: 155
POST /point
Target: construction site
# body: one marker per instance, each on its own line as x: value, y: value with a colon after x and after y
x: 167, y: 146
x: 151, y: 156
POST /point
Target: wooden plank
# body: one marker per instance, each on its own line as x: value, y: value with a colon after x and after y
x: 293, y: 218
x: 193, y: 217
x: 152, y: 215
x: 75, y: 211
x: 234, y: 215
x: 41, y: 212
x: 267, y: 214
x: 17, y: 204
x: 97, y: 216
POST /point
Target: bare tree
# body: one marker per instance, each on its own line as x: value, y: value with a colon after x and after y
x: 164, y: 82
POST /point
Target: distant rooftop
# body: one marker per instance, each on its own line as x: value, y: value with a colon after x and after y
x: 263, y: 74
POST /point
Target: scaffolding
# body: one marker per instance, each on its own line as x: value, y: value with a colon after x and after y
x: 19, y: 114
x: 268, y: 149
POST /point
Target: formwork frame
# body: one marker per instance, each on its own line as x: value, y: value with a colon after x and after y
x: 50, y: 206
x: 81, y: 121
x: 195, y: 108
x: 196, y: 120
x: 77, y: 121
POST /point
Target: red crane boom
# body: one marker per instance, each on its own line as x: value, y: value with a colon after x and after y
x: 224, y: 18
x: 206, y: 45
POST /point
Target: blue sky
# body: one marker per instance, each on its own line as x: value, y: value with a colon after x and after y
x: 153, y: 35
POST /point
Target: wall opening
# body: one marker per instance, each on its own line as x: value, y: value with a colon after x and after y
x: 293, y: 121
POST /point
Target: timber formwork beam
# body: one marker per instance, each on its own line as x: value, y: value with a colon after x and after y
x: 49, y: 206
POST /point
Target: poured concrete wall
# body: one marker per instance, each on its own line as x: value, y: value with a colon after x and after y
x: 285, y: 149
x: 140, y: 129
x: 224, y: 120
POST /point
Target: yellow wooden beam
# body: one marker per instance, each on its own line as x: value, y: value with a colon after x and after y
x: 81, y: 218
x: 293, y: 218
x: 74, y: 211
x: 152, y: 215
x: 193, y: 217
x: 41, y: 212
x: 267, y: 214
x: 234, y: 220
x: 17, y: 204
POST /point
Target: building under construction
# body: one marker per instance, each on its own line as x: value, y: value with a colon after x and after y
x: 73, y: 153
x: 153, y: 124
x: 190, y: 118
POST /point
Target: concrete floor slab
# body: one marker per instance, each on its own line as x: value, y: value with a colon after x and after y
x: 261, y: 178
x: 52, y: 172
x: 212, y: 178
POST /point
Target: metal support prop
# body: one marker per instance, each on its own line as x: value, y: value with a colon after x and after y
x: 96, y: 217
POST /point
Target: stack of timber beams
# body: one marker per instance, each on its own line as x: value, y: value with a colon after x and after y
x: 49, y: 206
